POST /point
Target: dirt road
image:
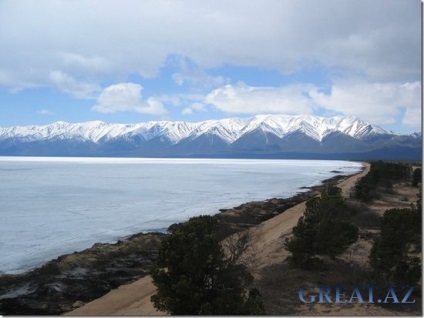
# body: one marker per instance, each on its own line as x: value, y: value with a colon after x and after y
x: 267, y: 247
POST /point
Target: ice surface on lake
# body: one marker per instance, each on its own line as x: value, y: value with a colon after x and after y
x: 53, y: 206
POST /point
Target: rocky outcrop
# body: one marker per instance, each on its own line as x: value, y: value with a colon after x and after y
x: 71, y: 280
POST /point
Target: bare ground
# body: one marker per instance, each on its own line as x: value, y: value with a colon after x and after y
x: 265, y: 258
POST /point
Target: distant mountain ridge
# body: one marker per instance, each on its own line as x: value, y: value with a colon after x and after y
x: 267, y: 136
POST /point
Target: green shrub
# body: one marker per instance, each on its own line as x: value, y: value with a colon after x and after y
x: 391, y: 252
x: 193, y: 276
x: 326, y: 228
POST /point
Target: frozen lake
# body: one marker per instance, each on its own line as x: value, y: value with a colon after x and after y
x: 53, y: 206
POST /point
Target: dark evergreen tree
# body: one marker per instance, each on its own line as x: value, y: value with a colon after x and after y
x: 416, y: 177
x: 324, y: 229
x: 396, y: 252
x: 381, y: 174
x: 193, y: 276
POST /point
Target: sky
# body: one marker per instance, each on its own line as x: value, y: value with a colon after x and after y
x: 131, y: 61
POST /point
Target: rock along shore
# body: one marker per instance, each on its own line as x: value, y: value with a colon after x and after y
x: 71, y: 280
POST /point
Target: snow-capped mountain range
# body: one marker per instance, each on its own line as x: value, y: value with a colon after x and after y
x: 228, y: 130
x: 262, y: 135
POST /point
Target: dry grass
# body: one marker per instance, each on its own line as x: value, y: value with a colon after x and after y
x: 279, y: 285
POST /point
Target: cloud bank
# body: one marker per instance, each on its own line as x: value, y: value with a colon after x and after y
x: 109, y: 39
x: 370, y: 51
x: 375, y: 102
x: 244, y: 99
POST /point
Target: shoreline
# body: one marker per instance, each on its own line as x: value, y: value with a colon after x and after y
x: 300, y: 191
x: 66, y: 213
x: 264, y: 249
x: 71, y: 280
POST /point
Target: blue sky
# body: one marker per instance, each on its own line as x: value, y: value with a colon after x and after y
x: 132, y: 61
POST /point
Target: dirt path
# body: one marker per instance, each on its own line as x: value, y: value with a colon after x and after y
x: 267, y: 239
x: 267, y: 247
x: 131, y: 299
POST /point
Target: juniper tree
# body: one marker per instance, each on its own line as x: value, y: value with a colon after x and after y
x: 193, y: 276
x: 401, y: 237
x: 324, y: 229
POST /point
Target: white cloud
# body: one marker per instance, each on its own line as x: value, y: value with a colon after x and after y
x: 172, y: 100
x: 187, y: 111
x: 78, y: 63
x: 198, y: 78
x: 244, y: 99
x: 69, y: 85
x: 74, y: 46
x: 101, y: 39
x: 194, y: 107
x: 411, y: 99
x: 377, y: 102
x: 45, y: 112
x: 126, y: 97
x: 191, y: 73
x: 412, y: 118
x: 198, y: 107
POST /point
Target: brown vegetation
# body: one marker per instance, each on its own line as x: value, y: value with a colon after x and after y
x: 261, y: 248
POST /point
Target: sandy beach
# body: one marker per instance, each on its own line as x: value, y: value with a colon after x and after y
x: 266, y: 248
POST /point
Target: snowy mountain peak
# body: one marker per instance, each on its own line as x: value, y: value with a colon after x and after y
x: 313, y: 126
x: 276, y: 136
x: 229, y: 130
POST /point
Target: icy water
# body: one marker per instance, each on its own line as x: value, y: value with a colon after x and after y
x: 53, y: 206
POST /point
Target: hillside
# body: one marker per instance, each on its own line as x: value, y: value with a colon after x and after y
x: 279, y: 283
